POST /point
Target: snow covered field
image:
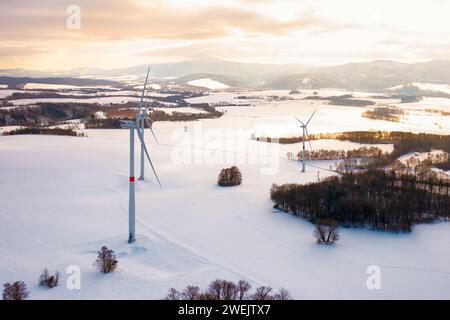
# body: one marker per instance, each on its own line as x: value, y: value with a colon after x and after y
x: 62, y: 198
x: 207, y: 83
x: 31, y: 85
x: 100, y: 100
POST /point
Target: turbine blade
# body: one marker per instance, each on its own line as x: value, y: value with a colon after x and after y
x: 151, y: 129
x: 299, y: 121
x: 311, y: 116
x: 148, y: 156
x: 144, y: 89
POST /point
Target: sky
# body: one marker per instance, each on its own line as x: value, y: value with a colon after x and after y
x: 51, y: 35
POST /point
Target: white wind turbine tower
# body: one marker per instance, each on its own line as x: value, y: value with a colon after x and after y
x: 142, y: 119
x: 135, y: 126
x: 305, y: 134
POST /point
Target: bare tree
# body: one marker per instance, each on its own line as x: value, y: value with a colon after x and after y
x: 283, y: 294
x: 15, y: 291
x: 106, y: 261
x: 230, y: 290
x: 223, y: 290
x: 326, y: 231
x: 215, y: 289
x: 173, y: 294
x: 263, y: 293
x: 191, y: 293
x: 243, y: 289
x: 48, y: 280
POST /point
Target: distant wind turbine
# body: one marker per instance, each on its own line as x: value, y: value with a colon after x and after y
x: 305, y: 134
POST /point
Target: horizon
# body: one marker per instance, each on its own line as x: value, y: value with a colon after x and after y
x: 230, y: 61
x: 60, y: 35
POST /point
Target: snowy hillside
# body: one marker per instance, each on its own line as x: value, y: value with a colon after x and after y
x: 62, y: 198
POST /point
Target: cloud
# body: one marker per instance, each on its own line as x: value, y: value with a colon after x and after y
x: 121, y: 32
x: 114, y: 19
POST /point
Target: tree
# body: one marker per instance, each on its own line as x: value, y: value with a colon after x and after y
x: 173, y: 294
x: 106, y: 260
x: 263, y: 293
x: 230, y: 177
x: 15, y: 291
x: 48, y: 280
x: 223, y: 290
x: 283, y: 294
x: 243, y: 289
x: 326, y: 231
x: 191, y: 293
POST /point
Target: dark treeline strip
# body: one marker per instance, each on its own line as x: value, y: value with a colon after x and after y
x: 323, y: 154
x: 404, y: 142
x: 115, y: 115
x: 95, y: 123
x: 281, y: 140
x: 43, y: 131
x: 343, y: 100
x: 372, y: 199
x: 47, y: 113
x: 19, y: 82
x: 384, y: 113
x: 444, y: 165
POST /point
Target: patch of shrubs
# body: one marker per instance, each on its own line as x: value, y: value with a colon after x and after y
x: 228, y: 290
x: 106, y: 260
x: 326, y: 231
x: 230, y: 177
x: 15, y: 291
x: 49, y: 280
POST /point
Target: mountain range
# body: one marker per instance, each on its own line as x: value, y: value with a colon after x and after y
x: 372, y: 76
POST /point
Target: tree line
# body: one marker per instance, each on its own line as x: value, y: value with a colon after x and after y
x: 374, y: 199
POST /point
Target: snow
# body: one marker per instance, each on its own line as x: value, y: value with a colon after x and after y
x: 445, y: 88
x: 181, y: 109
x: 418, y: 156
x: 31, y: 85
x: 100, y: 100
x: 208, y: 83
x: 5, y: 93
x: 8, y: 128
x: 62, y: 198
x: 100, y: 115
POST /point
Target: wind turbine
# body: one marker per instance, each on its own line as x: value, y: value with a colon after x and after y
x: 305, y: 134
x: 141, y: 120
x: 138, y: 126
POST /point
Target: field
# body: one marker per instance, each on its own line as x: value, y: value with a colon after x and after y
x: 62, y: 198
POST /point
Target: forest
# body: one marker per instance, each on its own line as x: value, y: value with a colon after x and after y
x: 373, y: 199
x: 388, y: 113
x: 43, y: 131
x: 343, y: 100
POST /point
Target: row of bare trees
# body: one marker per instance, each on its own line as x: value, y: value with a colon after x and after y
x: 228, y: 290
